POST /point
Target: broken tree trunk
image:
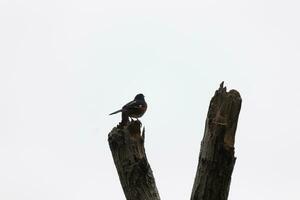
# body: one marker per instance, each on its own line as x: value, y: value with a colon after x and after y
x: 127, y: 146
x: 216, y: 159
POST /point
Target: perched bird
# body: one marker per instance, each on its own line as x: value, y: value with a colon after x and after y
x: 135, y: 108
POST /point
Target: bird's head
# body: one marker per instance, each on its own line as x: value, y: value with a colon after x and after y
x: 139, y: 97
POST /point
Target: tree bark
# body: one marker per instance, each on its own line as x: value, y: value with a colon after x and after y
x: 216, y: 159
x: 127, y: 146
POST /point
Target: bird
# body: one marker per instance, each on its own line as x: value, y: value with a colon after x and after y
x: 135, y: 108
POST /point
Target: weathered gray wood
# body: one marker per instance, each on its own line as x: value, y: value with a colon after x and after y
x: 216, y: 159
x: 127, y: 146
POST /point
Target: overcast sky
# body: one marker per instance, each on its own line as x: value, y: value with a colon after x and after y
x: 66, y: 64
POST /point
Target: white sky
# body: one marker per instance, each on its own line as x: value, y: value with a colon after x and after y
x: 66, y: 64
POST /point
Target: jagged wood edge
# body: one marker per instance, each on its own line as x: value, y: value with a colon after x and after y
x: 216, y: 159
x: 135, y: 174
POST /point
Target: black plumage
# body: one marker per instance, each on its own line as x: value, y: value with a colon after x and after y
x: 135, y: 108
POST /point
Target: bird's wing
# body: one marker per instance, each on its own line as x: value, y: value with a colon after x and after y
x: 133, y: 105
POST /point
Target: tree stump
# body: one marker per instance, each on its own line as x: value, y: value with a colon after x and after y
x: 127, y: 146
x: 216, y: 159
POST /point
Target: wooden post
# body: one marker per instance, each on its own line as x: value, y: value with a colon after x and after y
x: 216, y: 159
x: 127, y: 146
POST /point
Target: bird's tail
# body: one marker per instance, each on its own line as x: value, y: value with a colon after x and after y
x: 116, y: 112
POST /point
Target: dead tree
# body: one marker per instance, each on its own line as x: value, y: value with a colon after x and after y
x: 216, y: 159
x: 127, y: 146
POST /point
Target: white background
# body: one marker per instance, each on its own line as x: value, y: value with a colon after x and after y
x: 64, y: 65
